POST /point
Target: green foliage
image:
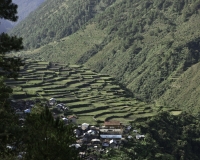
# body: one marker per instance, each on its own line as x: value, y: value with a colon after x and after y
x: 46, y: 138
x: 82, y: 90
x: 167, y: 137
x: 8, y: 68
x: 57, y: 19
x: 145, y: 45
x: 183, y: 93
x: 8, y: 10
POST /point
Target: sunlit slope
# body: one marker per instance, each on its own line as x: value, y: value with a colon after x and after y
x: 92, y: 97
x: 69, y: 49
x: 185, y: 92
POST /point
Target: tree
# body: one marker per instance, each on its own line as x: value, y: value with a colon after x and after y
x: 8, y: 69
x: 48, y: 139
x: 9, y: 66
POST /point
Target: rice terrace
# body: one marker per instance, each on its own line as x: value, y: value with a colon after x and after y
x: 92, y: 97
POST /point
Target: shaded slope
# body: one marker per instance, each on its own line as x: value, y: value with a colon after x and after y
x: 57, y: 19
x: 185, y: 92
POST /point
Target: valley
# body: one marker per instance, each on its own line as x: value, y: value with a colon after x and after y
x: 100, y: 80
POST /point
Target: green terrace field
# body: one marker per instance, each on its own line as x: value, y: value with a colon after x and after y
x: 92, y: 97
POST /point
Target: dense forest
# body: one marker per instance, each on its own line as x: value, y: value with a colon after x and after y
x: 167, y: 137
x: 57, y: 19
x: 145, y: 45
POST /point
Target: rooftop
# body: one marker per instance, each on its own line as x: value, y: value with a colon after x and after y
x: 112, y: 123
x: 72, y: 117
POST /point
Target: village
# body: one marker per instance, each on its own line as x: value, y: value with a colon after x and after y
x: 89, y: 138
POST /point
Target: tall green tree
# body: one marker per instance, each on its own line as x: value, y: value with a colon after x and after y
x: 9, y: 66
x: 48, y: 139
x: 8, y: 69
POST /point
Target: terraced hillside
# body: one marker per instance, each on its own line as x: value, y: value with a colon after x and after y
x: 92, y: 97
x: 146, y: 45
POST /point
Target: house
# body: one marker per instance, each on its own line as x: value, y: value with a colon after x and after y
x: 27, y: 110
x: 138, y: 136
x: 112, y: 128
x: 86, y: 137
x: 135, y: 131
x: 105, y: 144
x: 113, y: 125
x: 117, y: 138
x: 113, y: 143
x: 60, y: 106
x: 95, y: 141
x: 65, y: 120
x: 128, y: 128
x: 82, y: 154
x: 72, y: 119
x: 84, y: 126
x: 75, y: 145
x: 77, y: 132
x: 92, y: 132
x: 93, y: 127
x: 52, y: 101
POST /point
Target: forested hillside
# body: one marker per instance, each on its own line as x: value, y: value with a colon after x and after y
x: 146, y: 45
x: 167, y: 137
x: 58, y: 19
x: 184, y: 92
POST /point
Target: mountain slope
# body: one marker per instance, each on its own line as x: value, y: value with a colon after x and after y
x: 145, y: 45
x: 184, y: 93
x: 57, y: 19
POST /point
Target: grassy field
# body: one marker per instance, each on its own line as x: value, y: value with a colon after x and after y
x: 92, y: 97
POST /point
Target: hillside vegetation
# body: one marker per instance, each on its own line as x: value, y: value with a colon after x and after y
x: 167, y: 137
x: 184, y: 92
x: 92, y: 97
x: 146, y: 45
x: 57, y: 19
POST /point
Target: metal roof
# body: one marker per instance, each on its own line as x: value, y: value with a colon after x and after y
x: 111, y: 136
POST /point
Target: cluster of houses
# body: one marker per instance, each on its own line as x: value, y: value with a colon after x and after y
x: 22, y: 106
x: 100, y: 139
x: 25, y: 106
x: 88, y: 137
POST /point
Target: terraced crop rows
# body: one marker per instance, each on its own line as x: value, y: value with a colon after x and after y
x: 86, y: 93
